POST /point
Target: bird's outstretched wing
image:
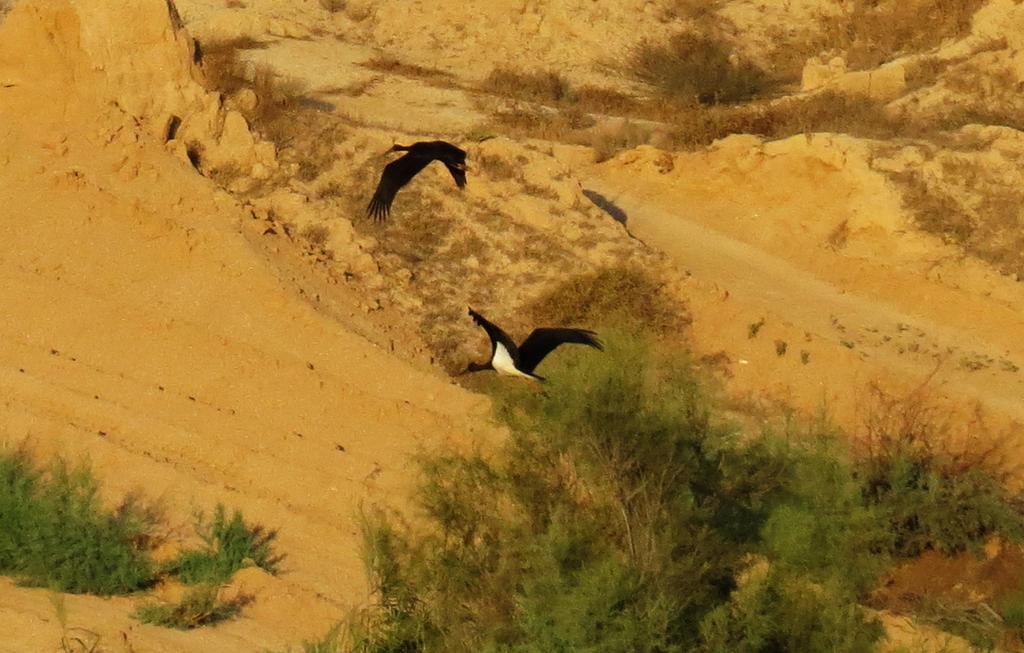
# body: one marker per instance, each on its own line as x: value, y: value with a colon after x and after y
x: 496, y: 334
x: 458, y: 173
x: 396, y: 174
x: 447, y: 152
x: 543, y: 341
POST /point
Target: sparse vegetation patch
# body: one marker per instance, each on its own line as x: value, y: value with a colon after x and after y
x: 229, y: 544
x: 389, y: 64
x: 990, y: 229
x: 199, y: 606
x: 277, y: 98
x: 860, y: 116
x: 697, y: 68
x: 623, y: 514
x: 55, y: 532
x: 543, y: 86
x: 618, y: 295
x: 871, y: 32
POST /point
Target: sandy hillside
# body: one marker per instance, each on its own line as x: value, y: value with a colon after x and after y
x: 143, y: 332
x: 195, y: 303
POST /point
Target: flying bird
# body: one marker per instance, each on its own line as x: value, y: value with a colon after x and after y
x: 398, y: 173
x: 507, y: 358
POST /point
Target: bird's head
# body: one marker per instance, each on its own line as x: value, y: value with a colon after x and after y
x: 475, y: 367
x: 398, y: 148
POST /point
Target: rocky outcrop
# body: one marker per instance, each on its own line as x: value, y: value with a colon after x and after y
x: 82, y: 58
x: 885, y: 83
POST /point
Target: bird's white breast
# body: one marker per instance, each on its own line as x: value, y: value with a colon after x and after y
x: 502, y: 362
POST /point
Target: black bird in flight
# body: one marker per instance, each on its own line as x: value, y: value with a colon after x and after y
x: 507, y: 358
x: 398, y: 173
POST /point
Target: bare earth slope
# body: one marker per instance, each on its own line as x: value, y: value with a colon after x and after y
x: 142, y: 331
x: 763, y: 222
x: 192, y: 352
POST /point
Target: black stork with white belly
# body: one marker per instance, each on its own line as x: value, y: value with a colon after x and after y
x: 511, y: 360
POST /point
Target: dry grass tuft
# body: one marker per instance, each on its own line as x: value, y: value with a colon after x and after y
x: 606, y: 101
x: 924, y: 72
x: 698, y: 68
x: 497, y: 167
x: 825, y: 112
x: 871, y: 32
x: 200, y: 606
x: 281, y: 113
x: 934, y: 211
x: 550, y: 88
x: 388, y: 64
x: 991, y: 229
x: 316, y: 235
x: 277, y: 97
x: 624, y: 295
x: 693, y: 10
x: 537, y: 86
x: 913, y: 424
x: 607, y: 143
x: 543, y: 123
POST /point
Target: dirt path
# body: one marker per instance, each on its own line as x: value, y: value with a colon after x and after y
x: 885, y: 338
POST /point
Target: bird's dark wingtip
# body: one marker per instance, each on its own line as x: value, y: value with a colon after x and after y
x: 377, y: 212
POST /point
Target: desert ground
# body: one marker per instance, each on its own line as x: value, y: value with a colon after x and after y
x: 195, y: 303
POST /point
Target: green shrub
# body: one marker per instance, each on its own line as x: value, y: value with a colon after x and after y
x: 623, y: 515
x: 617, y: 519
x: 1011, y: 609
x: 928, y: 508
x: 777, y: 611
x: 230, y: 544
x: 930, y: 495
x: 821, y: 526
x: 200, y: 606
x: 55, y: 532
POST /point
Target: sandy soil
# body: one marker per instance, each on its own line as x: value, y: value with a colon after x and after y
x: 144, y: 333
x: 749, y: 228
x: 153, y: 327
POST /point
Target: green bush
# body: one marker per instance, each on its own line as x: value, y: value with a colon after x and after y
x: 778, y: 611
x: 928, y: 508
x: 623, y: 515
x: 929, y: 494
x: 617, y: 519
x: 1011, y: 609
x: 230, y: 544
x: 821, y: 526
x: 54, y: 531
